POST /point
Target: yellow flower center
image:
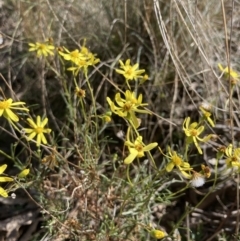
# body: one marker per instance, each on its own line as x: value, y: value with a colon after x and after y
x: 39, y: 130
x: 127, y: 106
x: 42, y: 46
x: 234, y: 159
x: 4, y: 105
x: 139, y: 147
x: 177, y: 160
x: 194, y: 132
x: 129, y: 71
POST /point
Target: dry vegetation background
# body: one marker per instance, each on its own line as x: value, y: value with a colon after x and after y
x: 179, y: 43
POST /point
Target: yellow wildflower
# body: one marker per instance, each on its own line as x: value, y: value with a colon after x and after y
x: 84, y: 64
x: 3, y: 192
x: 91, y: 59
x: 233, y: 157
x: 192, y: 131
x: 234, y: 76
x: 127, y: 107
x: 176, y: 161
x: 73, y: 56
x: 207, y: 116
x: 6, y: 107
x: 43, y: 49
x: 137, y: 149
x: 131, y: 72
x: 37, y: 130
x: 81, y: 59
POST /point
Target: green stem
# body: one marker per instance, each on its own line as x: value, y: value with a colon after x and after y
x: 93, y: 101
x: 6, y: 155
x: 185, y: 156
x: 128, y: 176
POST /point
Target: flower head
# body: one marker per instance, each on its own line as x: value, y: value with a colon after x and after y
x: 43, y: 49
x: 80, y: 92
x: 3, y: 192
x: 137, y: 149
x: 233, y: 75
x: 131, y: 72
x: 73, y: 56
x: 127, y: 107
x: 197, y: 179
x: 192, y: 131
x: 81, y: 59
x: 37, y: 130
x: 89, y: 60
x: 233, y: 157
x: 207, y: 115
x: 176, y: 161
x: 6, y: 107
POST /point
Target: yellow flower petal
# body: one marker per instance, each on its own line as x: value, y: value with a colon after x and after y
x: 3, y: 193
x: 44, y: 122
x: 220, y: 67
x: 31, y: 123
x: 31, y: 136
x: 170, y: 166
x: 39, y: 139
x: 6, y: 179
x: 3, y: 168
x: 197, y: 145
x: 157, y: 234
x: 9, y: 114
x: 129, y: 159
x: 150, y: 146
x: 43, y: 139
x: 24, y: 173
